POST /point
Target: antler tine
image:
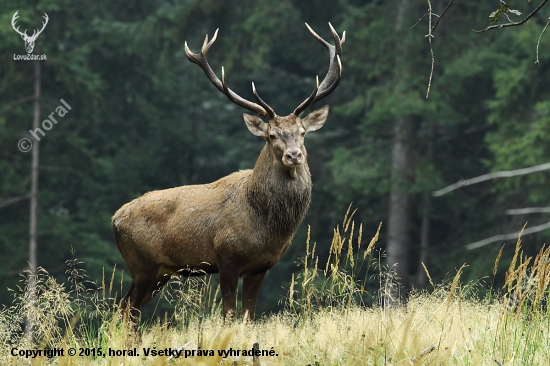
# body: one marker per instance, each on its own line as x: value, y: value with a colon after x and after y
x: 200, y: 59
x: 338, y: 42
x: 235, y: 98
x: 309, y: 100
x: 190, y: 55
x: 334, y: 73
x: 270, y: 111
x: 323, y: 42
x: 224, y: 86
x: 206, y: 45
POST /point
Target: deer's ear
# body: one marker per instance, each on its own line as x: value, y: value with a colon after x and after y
x: 255, y: 125
x: 316, y: 119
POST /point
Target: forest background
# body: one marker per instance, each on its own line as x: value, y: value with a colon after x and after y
x: 144, y: 118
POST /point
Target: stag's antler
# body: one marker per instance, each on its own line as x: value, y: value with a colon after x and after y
x: 334, y: 74
x: 15, y: 16
x: 262, y: 109
x: 329, y: 83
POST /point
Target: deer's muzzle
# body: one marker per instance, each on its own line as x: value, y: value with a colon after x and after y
x: 293, y: 158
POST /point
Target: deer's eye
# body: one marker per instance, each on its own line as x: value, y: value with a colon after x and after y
x: 272, y: 136
x: 302, y: 133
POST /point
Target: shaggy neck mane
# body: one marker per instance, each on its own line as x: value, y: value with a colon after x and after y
x: 278, y: 197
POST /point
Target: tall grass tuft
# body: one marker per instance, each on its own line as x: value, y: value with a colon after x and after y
x: 343, y: 283
x: 335, y: 315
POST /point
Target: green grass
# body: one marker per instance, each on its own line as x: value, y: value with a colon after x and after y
x: 332, y: 317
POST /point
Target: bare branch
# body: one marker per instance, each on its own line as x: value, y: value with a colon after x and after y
x: 422, y: 17
x: 513, y: 24
x: 492, y: 239
x: 442, y: 14
x: 528, y: 210
x: 433, y: 62
x: 538, y: 42
x: 482, y: 178
x: 430, y: 36
x: 13, y: 200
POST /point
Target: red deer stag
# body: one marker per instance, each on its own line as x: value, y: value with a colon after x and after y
x: 238, y: 226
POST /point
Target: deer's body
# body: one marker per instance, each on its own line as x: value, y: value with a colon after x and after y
x: 248, y: 218
x: 239, y: 225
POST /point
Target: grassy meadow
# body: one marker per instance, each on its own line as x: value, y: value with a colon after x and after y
x: 332, y: 317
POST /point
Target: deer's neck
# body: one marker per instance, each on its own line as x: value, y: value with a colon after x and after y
x: 279, y: 196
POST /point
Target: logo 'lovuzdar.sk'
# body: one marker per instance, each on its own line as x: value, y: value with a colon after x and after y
x: 29, y: 40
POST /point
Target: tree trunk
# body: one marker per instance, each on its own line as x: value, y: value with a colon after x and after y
x: 398, y: 221
x: 426, y: 208
x: 33, y: 226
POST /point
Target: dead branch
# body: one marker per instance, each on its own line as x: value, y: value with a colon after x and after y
x: 482, y: 178
x: 13, y: 200
x: 528, y: 210
x: 442, y: 14
x: 492, y: 239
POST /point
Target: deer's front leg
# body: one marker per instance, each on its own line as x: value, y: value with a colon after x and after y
x: 229, y: 278
x: 251, y: 289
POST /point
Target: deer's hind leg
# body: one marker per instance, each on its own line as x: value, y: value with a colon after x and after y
x: 123, y: 305
x: 140, y: 293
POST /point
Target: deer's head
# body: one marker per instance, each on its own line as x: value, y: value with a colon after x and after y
x: 284, y: 135
x: 29, y: 40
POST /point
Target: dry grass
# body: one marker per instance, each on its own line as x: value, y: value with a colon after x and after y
x: 327, y: 320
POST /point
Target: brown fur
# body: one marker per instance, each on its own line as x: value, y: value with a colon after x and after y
x: 239, y: 225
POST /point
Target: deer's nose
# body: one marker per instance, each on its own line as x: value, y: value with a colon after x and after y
x: 294, y: 157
